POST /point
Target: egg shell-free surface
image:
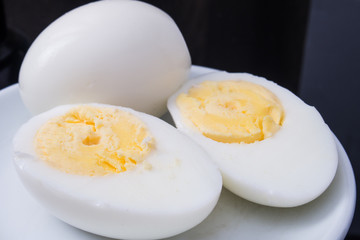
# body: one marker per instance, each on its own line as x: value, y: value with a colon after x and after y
x: 328, y: 217
x: 289, y: 169
x: 178, y: 192
x: 125, y: 53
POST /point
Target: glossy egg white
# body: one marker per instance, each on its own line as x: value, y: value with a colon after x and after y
x: 179, y: 190
x: 117, y: 52
x: 289, y: 169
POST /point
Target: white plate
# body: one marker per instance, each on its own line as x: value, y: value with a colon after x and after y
x: 327, y: 217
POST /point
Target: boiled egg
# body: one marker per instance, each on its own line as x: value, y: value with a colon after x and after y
x: 271, y: 147
x: 116, y: 172
x: 118, y: 52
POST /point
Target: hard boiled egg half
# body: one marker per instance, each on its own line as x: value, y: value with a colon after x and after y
x: 271, y: 147
x: 116, y: 172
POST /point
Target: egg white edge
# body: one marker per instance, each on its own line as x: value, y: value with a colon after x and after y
x: 252, y: 189
x: 57, y: 191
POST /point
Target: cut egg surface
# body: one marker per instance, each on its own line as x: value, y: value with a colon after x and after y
x: 116, y: 172
x: 271, y: 147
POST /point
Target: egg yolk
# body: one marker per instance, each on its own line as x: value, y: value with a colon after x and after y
x: 232, y: 111
x: 93, y: 141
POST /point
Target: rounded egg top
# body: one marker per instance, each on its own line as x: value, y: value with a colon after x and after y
x: 125, y: 53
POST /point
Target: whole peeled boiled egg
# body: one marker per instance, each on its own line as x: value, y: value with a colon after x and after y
x: 116, y: 172
x: 117, y: 52
x: 271, y: 147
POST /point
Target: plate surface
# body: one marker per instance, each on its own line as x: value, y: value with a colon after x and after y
x: 327, y: 217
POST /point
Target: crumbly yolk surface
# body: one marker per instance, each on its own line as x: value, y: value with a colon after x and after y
x: 232, y: 111
x: 94, y: 141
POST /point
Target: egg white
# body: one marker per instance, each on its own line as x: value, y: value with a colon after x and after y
x: 289, y: 169
x: 178, y: 192
x: 125, y: 53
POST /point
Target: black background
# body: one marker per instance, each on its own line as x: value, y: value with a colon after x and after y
x: 309, y: 47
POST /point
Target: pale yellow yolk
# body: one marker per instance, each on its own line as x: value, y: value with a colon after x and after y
x: 232, y: 111
x: 93, y: 141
